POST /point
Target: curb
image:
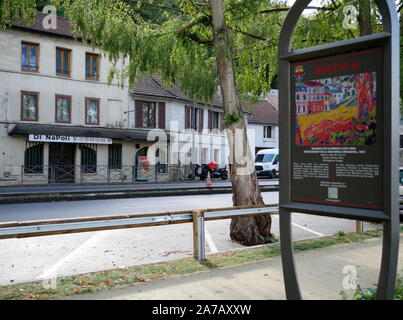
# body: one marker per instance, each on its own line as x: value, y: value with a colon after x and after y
x: 9, y: 198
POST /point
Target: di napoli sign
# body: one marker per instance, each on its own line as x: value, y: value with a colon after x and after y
x: 68, y: 139
x: 339, y: 136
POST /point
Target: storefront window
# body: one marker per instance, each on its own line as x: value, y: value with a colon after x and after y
x: 33, y: 158
x: 88, y: 158
x: 115, y: 156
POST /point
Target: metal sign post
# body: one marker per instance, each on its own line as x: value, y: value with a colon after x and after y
x: 339, y: 136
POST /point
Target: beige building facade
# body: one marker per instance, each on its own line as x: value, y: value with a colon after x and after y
x: 61, y: 121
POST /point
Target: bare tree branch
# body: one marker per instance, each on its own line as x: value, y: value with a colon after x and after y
x: 247, y: 34
x: 282, y: 9
x: 183, y: 31
x: 188, y: 26
x: 195, y: 38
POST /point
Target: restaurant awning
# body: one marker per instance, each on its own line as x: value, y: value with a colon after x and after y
x: 26, y: 129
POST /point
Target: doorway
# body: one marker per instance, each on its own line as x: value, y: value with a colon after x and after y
x: 141, y: 165
x: 61, y: 162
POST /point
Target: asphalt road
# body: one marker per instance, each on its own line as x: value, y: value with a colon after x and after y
x: 23, y: 260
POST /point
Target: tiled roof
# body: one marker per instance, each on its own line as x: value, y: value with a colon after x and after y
x: 153, y: 87
x: 263, y: 112
x: 63, y: 26
x: 149, y: 86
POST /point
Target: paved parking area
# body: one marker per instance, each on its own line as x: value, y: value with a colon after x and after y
x: 23, y: 260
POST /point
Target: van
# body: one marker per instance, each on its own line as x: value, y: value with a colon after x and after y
x: 266, y: 163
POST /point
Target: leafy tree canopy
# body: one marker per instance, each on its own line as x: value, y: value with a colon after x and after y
x: 173, y: 38
x: 16, y: 10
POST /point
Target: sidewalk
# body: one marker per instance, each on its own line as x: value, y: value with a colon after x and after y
x: 21, y: 194
x: 320, y: 277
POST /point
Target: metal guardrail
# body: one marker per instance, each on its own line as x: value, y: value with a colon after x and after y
x: 75, y: 225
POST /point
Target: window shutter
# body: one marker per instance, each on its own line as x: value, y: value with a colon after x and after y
x: 161, y: 115
x: 210, y: 120
x: 139, y: 114
x: 187, y: 117
x: 201, y: 119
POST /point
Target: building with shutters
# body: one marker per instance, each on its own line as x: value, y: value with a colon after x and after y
x: 61, y: 121
x: 263, y: 123
x: 196, y: 128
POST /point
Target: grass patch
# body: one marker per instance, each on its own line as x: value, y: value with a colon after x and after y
x: 93, y: 282
x: 370, y: 293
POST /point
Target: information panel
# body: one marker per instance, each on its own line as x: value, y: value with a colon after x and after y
x: 336, y: 112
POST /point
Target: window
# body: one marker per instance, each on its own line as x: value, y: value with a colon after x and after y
x: 91, y: 111
x: 63, y: 62
x: 267, y: 132
x: 149, y: 115
x: 29, y: 106
x: 63, y: 109
x: 30, y: 57
x: 33, y: 158
x: 194, y: 118
x: 204, y: 155
x: 197, y: 115
x: 268, y: 157
x: 215, y: 118
x: 276, y: 159
x: 91, y: 66
x: 217, y: 155
x: 188, y: 117
x: 88, y: 158
x: 115, y: 156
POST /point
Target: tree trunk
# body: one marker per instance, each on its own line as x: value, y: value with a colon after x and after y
x: 246, y: 191
x: 364, y: 17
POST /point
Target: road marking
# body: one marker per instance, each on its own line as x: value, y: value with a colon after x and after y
x: 210, y: 242
x: 52, y: 271
x: 305, y: 228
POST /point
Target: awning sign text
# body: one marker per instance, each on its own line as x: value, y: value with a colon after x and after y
x: 68, y: 139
